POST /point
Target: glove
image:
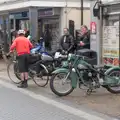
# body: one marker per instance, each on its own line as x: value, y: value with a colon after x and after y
x: 9, y: 53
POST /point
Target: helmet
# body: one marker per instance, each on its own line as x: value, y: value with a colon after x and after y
x: 21, y: 32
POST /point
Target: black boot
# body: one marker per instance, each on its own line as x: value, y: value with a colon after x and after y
x: 25, y: 84
x: 21, y: 85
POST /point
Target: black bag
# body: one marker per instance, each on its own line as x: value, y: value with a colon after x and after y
x: 34, y: 58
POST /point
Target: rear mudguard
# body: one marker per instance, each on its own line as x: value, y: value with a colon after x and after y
x: 111, y: 69
x: 73, y: 76
x: 110, y: 80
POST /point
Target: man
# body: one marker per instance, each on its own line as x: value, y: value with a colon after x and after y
x: 22, y: 46
x: 67, y: 41
x: 84, y: 38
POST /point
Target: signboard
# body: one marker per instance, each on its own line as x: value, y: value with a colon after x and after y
x: 20, y: 15
x: 111, y: 45
x: 93, y: 36
x: 93, y: 27
x: 45, y: 12
x: 48, y: 12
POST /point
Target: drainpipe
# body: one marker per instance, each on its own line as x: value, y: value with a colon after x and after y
x: 82, y: 10
x: 66, y: 13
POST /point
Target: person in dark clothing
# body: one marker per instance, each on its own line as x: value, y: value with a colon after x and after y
x: 84, y: 38
x: 67, y: 41
x: 27, y: 33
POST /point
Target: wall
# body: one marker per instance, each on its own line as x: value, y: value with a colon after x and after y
x: 1, y: 1
x: 75, y: 15
x: 9, y: 5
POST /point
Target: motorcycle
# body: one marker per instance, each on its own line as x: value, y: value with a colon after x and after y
x: 39, y: 47
x: 81, y: 72
x: 52, y: 61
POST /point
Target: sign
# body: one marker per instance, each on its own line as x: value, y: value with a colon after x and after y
x: 20, y: 15
x: 48, y: 12
x: 93, y: 27
x: 45, y: 12
x: 111, y: 45
x: 111, y: 36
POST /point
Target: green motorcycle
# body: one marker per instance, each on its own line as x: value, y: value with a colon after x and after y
x: 77, y: 70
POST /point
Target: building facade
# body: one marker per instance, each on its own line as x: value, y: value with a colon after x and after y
x: 37, y: 16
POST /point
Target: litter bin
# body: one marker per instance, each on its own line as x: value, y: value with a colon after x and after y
x: 90, y: 56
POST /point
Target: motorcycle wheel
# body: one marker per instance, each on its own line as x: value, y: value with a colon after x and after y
x: 114, y: 90
x: 60, y: 79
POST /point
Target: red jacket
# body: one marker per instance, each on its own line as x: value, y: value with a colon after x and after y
x: 22, y: 45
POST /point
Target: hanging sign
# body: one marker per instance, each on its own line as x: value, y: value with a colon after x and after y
x: 93, y: 27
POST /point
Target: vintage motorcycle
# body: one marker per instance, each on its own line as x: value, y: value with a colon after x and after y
x: 81, y: 72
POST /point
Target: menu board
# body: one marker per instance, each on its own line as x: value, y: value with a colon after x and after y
x: 111, y: 45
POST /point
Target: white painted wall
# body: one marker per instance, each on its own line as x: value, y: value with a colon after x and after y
x: 1, y: 1
x: 75, y: 15
x: 15, y: 4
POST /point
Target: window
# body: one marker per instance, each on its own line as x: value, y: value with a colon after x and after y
x: 11, y: 24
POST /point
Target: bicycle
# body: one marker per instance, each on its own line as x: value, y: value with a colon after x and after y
x: 41, y: 82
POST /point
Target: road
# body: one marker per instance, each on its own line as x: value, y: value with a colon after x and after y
x: 78, y: 104
x: 21, y: 104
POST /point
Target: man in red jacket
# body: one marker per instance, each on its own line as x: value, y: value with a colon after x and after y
x: 22, y: 46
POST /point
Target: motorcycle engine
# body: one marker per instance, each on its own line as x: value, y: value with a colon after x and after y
x: 91, y: 79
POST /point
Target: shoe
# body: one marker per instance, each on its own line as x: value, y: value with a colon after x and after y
x: 25, y: 84
x: 21, y: 85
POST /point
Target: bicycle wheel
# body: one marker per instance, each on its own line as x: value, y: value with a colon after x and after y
x: 42, y: 78
x: 13, y: 73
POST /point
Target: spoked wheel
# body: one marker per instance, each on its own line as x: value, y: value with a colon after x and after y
x: 116, y: 89
x: 60, y: 84
x: 42, y: 78
x: 13, y: 73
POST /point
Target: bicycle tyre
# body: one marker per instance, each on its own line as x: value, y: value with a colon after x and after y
x: 46, y: 81
x: 8, y: 72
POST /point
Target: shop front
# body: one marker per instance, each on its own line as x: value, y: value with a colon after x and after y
x: 26, y: 19
x: 4, y: 31
x: 49, y: 22
x: 107, y: 18
x: 19, y: 20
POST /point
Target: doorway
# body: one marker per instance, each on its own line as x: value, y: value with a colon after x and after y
x: 51, y: 29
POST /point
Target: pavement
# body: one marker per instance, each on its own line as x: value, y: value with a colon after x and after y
x: 18, y: 103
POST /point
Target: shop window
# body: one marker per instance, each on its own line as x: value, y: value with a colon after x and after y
x: 71, y: 27
x: 11, y: 24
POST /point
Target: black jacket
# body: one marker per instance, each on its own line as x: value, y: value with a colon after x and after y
x: 67, y: 43
x: 85, y: 39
